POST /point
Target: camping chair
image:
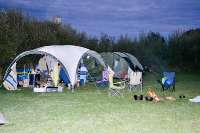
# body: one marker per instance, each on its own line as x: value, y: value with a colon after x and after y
x: 168, y: 81
x: 135, y: 81
x: 115, y: 89
x: 104, y: 81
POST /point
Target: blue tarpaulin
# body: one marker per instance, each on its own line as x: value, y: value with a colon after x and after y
x: 64, y: 77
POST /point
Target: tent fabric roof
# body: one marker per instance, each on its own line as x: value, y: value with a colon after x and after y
x: 68, y: 55
x: 108, y: 58
x: 132, y: 58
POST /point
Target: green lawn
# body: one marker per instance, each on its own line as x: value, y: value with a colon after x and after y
x: 91, y: 110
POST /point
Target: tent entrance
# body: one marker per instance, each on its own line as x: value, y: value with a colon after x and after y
x: 90, y: 67
x: 34, y: 70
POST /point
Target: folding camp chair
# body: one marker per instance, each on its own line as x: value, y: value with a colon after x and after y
x: 115, y: 89
x: 135, y: 81
x: 168, y: 81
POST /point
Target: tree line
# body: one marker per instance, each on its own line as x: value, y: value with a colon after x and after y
x: 20, y: 32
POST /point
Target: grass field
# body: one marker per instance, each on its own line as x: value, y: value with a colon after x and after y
x: 91, y: 110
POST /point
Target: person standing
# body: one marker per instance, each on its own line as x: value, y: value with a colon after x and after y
x: 55, y: 74
x: 83, y: 74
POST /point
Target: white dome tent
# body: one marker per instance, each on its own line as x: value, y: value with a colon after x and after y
x: 69, y: 56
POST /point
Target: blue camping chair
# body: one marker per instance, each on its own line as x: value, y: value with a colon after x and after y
x: 168, y: 81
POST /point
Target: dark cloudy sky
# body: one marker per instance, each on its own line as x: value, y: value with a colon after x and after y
x: 116, y: 17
